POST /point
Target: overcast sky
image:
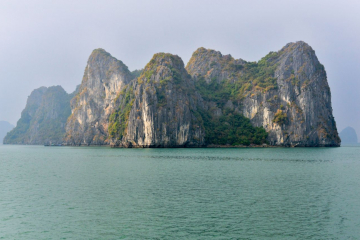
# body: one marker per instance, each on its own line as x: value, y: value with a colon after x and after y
x: 46, y: 43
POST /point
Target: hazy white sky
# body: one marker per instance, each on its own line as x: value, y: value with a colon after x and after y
x: 45, y: 43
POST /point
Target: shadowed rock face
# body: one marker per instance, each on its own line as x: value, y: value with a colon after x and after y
x: 286, y: 93
x: 104, y: 78
x: 348, y: 136
x: 43, y: 119
x: 5, y: 127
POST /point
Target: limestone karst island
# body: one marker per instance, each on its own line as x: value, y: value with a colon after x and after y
x: 215, y: 100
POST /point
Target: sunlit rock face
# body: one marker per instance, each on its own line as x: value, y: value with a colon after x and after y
x: 286, y: 92
x: 104, y: 78
x: 304, y: 94
x: 159, y: 108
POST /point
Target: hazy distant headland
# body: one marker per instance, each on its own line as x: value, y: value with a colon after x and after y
x: 5, y: 127
x: 215, y: 100
x: 348, y: 137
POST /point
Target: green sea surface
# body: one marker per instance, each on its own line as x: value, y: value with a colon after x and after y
x: 203, y: 193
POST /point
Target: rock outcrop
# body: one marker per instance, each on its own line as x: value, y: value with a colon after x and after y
x: 286, y: 93
x: 104, y: 78
x: 44, y: 118
x: 156, y: 110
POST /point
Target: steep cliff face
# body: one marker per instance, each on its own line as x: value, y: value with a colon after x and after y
x: 157, y: 109
x: 286, y: 93
x: 104, y: 78
x: 43, y: 119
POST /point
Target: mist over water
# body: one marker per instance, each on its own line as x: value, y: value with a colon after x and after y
x: 104, y: 193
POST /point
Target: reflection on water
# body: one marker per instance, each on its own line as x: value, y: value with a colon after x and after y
x: 103, y: 193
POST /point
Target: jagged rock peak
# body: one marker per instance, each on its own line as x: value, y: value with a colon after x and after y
x: 99, y: 51
x: 156, y: 110
x: 205, y: 59
x: 103, y: 64
x: 37, y: 95
x: 43, y: 119
x: 99, y: 54
x: 286, y: 92
x: 212, y: 64
x: 165, y: 67
x: 299, y: 45
x: 166, y: 60
x: 104, y: 78
x: 300, y: 56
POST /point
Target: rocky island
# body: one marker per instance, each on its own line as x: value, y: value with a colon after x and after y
x: 215, y: 100
x: 348, y: 136
x: 44, y: 118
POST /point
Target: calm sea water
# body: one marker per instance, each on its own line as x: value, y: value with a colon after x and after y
x: 104, y: 193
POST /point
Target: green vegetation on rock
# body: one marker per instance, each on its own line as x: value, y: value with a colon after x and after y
x: 136, y: 73
x: 119, y: 119
x: 214, y: 91
x: 230, y: 129
x: 167, y: 65
x: 243, y: 80
x: 280, y: 117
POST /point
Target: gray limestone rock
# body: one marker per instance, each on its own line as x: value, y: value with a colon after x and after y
x: 161, y: 105
x: 299, y: 93
x: 43, y: 119
x: 104, y: 78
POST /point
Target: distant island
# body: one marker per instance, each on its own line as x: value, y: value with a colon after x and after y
x: 5, y: 127
x: 349, y: 137
x: 215, y: 100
